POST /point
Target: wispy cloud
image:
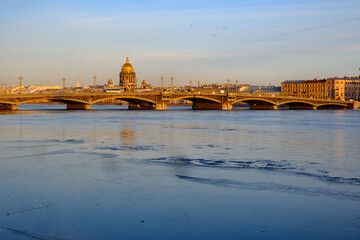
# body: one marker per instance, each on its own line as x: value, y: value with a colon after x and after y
x: 316, y: 27
x: 303, y: 30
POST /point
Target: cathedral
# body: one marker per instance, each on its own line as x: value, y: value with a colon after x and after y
x: 127, y: 76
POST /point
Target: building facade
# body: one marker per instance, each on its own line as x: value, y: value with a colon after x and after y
x: 304, y: 88
x: 127, y: 76
x: 345, y: 88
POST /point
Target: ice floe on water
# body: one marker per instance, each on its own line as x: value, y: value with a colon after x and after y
x: 265, y: 186
x: 282, y: 166
x: 132, y: 148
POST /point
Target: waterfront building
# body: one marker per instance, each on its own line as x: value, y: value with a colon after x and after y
x: 127, y: 76
x: 305, y: 88
x: 346, y: 88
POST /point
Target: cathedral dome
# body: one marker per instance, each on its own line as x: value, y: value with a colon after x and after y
x: 127, y: 67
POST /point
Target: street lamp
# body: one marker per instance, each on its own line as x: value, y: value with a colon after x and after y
x: 20, y: 78
x: 190, y: 85
x: 236, y: 86
x: 162, y: 83
x: 228, y: 81
x: 172, y: 82
x: 63, y: 79
x: 94, y: 77
x: 198, y: 85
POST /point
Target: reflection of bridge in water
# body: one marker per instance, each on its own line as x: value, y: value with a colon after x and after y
x: 158, y: 100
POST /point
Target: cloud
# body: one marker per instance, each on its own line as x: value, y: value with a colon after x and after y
x: 302, y: 30
x: 316, y: 27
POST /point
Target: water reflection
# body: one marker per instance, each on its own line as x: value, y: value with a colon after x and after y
x: 132, y: 173
x: 127, y: 138
x: 339, y: 148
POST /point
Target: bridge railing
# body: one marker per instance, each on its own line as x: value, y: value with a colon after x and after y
x: 199, y: 92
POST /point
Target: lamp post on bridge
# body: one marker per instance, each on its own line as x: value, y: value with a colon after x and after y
x: 236, y: 86
x: 228, y: 81
x: 20, y: 78
x: 94, y: 77
x: 162, y: 83
x: 172, y: 84
x: 190, y: 86
x: 198, y: 82
x: 63, y: 79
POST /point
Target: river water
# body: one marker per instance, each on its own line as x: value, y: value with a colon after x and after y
x: 111, y: 173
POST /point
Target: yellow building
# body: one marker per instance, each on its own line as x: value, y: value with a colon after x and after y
x: 345, y: 88
x: 304, y: 88
x: 127, y: 76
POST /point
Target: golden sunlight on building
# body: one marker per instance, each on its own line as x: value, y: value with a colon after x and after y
x: 127, y: 76
x: 346, y: 88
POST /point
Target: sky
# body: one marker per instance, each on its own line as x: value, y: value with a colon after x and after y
x: 256, y: 42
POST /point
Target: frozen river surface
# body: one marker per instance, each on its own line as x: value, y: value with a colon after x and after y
x: 179, y: 174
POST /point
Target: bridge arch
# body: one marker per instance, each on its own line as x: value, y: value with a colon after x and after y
x: 129, y: 99
x: 332, y: 106
x: 7, y: 103
x: 135, y: 102
x: 196, y: 98
x: 259, y: 101
x: 298, y: 104
x: 67, y: 101
x: 200, y: 102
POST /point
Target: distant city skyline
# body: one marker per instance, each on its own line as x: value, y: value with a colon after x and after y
x: 254, y: 42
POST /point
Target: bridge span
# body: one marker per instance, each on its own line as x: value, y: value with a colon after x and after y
x: 158, y: 100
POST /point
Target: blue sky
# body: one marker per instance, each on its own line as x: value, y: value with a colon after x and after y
x: 255, y: 42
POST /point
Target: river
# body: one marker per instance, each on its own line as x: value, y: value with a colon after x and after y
x: 110, y: 173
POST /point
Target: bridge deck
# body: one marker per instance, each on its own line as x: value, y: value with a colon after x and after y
x: 159, y: 100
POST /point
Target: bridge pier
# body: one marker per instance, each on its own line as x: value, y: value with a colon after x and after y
x: 263, y: 107
x: 292, y: 107
x: 354, y: 105
x: 78, y: 106
x: 161, y: 105
x: 8, y: 107
x: 226, y: 106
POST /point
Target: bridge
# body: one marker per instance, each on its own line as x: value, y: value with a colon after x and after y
x: 158, y: 100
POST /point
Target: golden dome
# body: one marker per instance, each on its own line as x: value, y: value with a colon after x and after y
x: 127, y: 67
